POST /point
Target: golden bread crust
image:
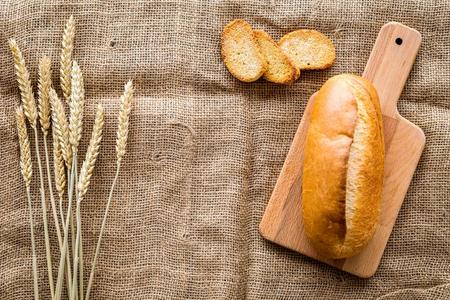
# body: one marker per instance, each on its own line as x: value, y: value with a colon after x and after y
x: 343, y: 167
x: 308, y: 49
x: 241, y: 53
x: 280, y: 69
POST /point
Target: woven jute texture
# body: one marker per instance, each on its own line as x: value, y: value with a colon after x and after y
x: 205, y: 150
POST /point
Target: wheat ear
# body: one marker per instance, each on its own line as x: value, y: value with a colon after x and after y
x: 91, y: 154
x: 66, y: 58
x: 23, y: 78
x: 24, y: 143
x: 30, y: 111
x: 44, y: 85
x: 26, y: 169
x: 86, y: 172
x: 61, y: 127
x: 124, y: 114
x: 59, y: 171
x: 76, y: 107
x: 122, y: 135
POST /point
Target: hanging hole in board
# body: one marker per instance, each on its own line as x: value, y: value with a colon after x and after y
x: 398, y: 41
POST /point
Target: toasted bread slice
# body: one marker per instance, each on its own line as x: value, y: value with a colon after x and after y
x: 280, y: 69
x: 241, y: 53
x: 308, y: 49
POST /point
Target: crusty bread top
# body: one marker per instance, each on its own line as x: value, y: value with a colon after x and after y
x: 241, y: 52
x: 343, y: 167
x: 308, y: 49
x: 280, y: 69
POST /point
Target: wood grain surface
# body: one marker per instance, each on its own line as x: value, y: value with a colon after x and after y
x: 388, y: 68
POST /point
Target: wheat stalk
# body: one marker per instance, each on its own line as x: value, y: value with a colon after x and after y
x: 44, y: 214
x: 26, y: 169
x: 86, y: 172
x: 30, y: 111
x: 23, y: 78
x: 122, y: 135
x: 61, y: 127
x: 60, y: 183
x: 66, y: 58
x: 76, y: 107
x: 44, y: 85
x: 64, y: 252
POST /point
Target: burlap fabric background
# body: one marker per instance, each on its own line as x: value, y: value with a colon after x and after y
x: 205, y: 150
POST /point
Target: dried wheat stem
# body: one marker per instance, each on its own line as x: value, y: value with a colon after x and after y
x: 80, y: 248
x: 99, y: 240
x: 86, y: 172
x: 122, y: 135
x: 64, y: 251
x: 33, y: 247
x: 61, y: 127
x: 76, y: 107
x: 23, y: 78
x: 60, y: 182
x: 74, y: 184
x: 44, y: 85
x: 26, y: 169
x: 54, y: 211
x: 44, y: 215
x: 81, y: 286
x: 66, y: 58
x: 52, y: 198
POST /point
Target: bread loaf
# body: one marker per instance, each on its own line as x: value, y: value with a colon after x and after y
x: 343, y: 167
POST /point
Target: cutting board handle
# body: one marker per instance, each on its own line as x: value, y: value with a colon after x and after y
x: 390, y: 62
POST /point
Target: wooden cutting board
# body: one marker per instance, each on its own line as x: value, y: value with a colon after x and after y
x: 388, y: 68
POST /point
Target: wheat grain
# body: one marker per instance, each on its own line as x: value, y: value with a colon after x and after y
x: 76, y: 107
x: 44, y: 85
x: 61, y: 127
x: 66, y: 58
x: 23, y: 78
x: 124, y: 115
x: 24, y: 143
x: 91, y: 153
